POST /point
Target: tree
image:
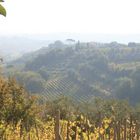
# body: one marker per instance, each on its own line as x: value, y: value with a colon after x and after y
x: 2, y: 9
x: 70, y: 41
x: 32, y: 81
x: 124, y: 88
x: 17, y: 108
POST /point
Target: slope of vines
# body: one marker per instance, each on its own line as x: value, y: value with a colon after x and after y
x: 64, y: 87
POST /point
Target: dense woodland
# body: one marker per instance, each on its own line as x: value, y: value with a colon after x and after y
x: 72, y: 91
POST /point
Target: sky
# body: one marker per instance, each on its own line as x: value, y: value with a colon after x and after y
x: 73, y: 16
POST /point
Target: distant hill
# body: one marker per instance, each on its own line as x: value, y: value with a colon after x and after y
x: 12, y: 47
x: 81, y: 70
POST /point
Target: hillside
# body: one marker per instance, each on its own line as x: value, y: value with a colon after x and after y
x: 81, y: 70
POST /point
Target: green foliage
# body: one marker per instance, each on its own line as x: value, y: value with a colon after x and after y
x: 32, y: 81
x: 17, y: 107
x: 2, y: 9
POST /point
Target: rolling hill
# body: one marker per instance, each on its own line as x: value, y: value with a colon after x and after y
x: 81, y: 70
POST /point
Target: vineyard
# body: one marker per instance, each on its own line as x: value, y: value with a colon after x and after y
x: 79, y: 129
x: 25, y: 117
x: 65, y: 87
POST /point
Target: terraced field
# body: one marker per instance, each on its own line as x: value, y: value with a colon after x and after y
x: 64, y: 87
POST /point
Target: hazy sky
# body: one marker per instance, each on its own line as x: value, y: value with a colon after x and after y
x: 75, y: 16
